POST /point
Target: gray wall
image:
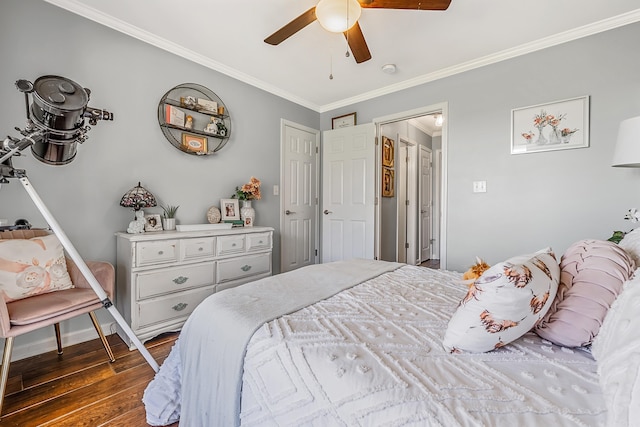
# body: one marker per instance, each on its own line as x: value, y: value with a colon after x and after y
x: 128, y: 78
x: 532, y: 200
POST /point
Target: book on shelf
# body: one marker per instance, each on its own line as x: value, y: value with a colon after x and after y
x: 173, y: 115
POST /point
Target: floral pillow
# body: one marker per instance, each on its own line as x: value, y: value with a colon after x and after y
x: 32, y: 266
x: 504, y: 303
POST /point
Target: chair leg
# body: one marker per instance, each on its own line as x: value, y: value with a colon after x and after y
x: 4, y: 373
x: 58, y: 340
x: 105, y: 343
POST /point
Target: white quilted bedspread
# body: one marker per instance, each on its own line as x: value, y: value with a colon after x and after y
x: 372, y: 356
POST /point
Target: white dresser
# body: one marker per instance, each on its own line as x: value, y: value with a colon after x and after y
x: 162, y: 276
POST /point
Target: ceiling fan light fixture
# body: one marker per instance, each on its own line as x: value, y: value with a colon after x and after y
x: 337, y: 16
x: 439, y: 120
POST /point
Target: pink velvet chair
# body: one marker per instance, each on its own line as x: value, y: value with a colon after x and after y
x: 25, y: 315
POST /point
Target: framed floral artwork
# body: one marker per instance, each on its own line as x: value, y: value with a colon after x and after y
x: 229, y: 209
x: 559, y: 125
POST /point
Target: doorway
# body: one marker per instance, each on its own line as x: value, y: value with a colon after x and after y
x: 410, y: 219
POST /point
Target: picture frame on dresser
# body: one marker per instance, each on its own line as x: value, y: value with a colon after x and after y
x: 229, y: 209
x: 152, y: 222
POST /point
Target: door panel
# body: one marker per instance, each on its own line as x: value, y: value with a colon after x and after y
x: 426, y: 204
x: 299, y: 222
x: 348, y: 159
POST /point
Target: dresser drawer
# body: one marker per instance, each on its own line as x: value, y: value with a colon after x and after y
x: 237, y: 268
x: 171, y: 307
x: 198, y: 248
x: 230, y: 244
x: 258, y: 241
x: 173, y: 279
x: 156, y: 252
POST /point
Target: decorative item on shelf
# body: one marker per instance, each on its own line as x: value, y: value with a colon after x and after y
x: 207, y: 106
x: 212, y: 126
x: 194, y: 143
x: 248, y: 192
x: 188, y: 102
x: 213, y: 215
x: 137, y: 198
x: 188, y: 124
x: 221, y: 110
x: 174, y: 116
x: 169, y: 217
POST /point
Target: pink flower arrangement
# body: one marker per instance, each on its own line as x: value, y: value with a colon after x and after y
x: 528, y: 136
x: 249, y: 191
x: 567, y: 131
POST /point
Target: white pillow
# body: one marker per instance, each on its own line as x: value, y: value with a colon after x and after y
x: 504, y: 303
x: 616, y: 348
x: 32, y: 266
x: 631, y: 243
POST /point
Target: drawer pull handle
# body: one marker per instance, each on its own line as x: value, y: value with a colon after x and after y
x: 200, y: 249
x: 245, y: 268
x: 179, y: 307
x: 180, y: 280
x: 160, y: 252
x: 260, y: 241
x: 233, y: 245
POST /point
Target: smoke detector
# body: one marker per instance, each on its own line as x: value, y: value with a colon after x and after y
x: 389, y: 68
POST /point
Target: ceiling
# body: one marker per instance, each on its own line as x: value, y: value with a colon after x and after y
x: 227, y: 36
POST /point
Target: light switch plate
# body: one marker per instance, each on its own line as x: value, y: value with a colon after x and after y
x: 479, y: 186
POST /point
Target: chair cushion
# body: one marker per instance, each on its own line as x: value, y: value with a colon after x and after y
x: 32, y: 266
x: 46, y: 306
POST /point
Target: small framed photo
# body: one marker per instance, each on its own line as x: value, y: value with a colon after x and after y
x: 387, y: 152
x: 388, y: 184
x: 343, y: 121
x: 229, y: 209
x: 152, y: 222
x: 195, y: 143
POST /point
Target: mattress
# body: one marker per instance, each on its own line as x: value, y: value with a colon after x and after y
x: 372, y: 355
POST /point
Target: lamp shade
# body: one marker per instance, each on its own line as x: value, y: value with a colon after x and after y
x: 338, y: 16
x: 137, y: 198
x: 627, y: 151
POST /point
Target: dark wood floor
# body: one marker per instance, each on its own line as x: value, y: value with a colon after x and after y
x: 81, y: 387
x: 431, y: 263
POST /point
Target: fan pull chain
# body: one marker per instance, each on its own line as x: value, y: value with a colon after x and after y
x: 330, y: 67
x: 346, y: 54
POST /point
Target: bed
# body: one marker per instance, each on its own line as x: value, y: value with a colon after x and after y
x: 372, y: 343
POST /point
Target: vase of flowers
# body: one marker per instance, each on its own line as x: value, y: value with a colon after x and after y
x: 248, y: 192
x: 565, y: 134
x: 540, y: 121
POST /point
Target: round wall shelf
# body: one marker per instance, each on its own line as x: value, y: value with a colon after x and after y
x: 194, y: 119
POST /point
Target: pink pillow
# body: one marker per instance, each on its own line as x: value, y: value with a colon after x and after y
x: 592, y: 273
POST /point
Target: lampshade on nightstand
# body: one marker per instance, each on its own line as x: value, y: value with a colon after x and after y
x: 627, y: 151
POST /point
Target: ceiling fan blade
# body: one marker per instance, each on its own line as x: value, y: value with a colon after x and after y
x: 406, y: 4
x: 292, y: 27
x: 357, y: 44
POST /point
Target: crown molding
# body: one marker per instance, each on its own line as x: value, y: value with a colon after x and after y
x: 123, y: 27
x: 92, y: 14
x: 556, y: 39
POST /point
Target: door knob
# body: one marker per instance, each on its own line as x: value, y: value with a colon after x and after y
x: 327, y: 212
x: 288, y: 212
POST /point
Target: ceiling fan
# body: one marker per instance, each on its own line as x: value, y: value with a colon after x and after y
x: 341, y: 16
